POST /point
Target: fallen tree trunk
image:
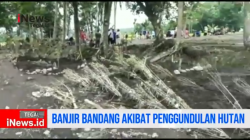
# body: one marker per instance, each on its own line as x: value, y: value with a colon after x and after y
x: 193, y: 47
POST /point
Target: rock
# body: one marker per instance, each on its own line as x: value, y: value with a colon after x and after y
x: 183, y: 71
x: 78, y: 67
x: 6, y: 82
x: 87, y: 129
x: 198, y: 68
x: 29, y: 78
x: 38, y: 70
x: 176, y: 105
x: 33, y: 72
x: 55, y: 68
x: 46, y: 132
x: 36, y: 94
x: 155, y: 135
x: 208, y: 66
x: 49, y: 73
x: 49, y: 69
x: 83, y: 65
x: 145, y: 134
x: 113, y: 131
x: 20, y: 69
x: 48, y: 93
x: 19, y: 133
x: 74, y: 129
x: 21, y: 74
x: 44, y: 71
x: 177, y: 72
x: 125, y: 135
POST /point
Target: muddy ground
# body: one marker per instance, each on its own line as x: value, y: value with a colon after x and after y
x: 17, y: 94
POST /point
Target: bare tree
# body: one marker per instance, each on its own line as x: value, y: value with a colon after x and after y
x: 55, y: 20
x: 107, y: 13
x: 179, y: 28
x: 115, y: 9
x: 180, y: 18
x: 76, y: 22
x: 64, y: 20
x: 246, y: 35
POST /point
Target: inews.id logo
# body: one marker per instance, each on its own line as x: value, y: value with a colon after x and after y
x: 35, y: 21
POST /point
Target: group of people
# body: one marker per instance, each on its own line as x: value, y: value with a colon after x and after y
x: 145, y: 35
x: 84, y: 38
x: 197, y: 33
x: 173, y: 33
x: 114, y: 37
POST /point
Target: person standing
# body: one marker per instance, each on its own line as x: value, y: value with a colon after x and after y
x: 98, y: 38
x: 110, y: 36
x: 186, y: 33
x: 147, y: 35
x: 144, y: 34
x: 114, y: 36
x: 83, y: 36
x: 118, y: 35
x: 126, y: 36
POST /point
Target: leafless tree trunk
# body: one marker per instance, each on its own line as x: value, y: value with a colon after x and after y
x: 180, y: 16
x: 76, y: 22
x: 55, y: 20
x: 102, y: 17
x: 68, y: 17
x: 246, y: 35
x: 115, y: 9
x: 64, y: 19
x: 107, y: 13
x: 179, y: 28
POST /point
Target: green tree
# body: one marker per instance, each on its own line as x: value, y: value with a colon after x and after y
x: 220, y: 14
x: 154, y: 11
x: 246, y: 35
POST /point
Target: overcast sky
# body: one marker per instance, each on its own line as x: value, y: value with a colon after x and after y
x: 124, y: 18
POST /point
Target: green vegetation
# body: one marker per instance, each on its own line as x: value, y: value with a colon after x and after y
x: 199, y: 15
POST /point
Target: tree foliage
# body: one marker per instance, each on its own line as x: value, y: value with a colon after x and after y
x: 219, y: 14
